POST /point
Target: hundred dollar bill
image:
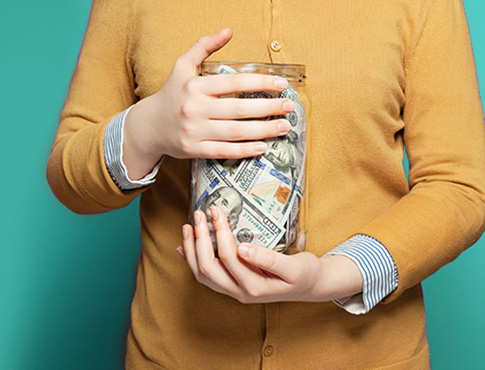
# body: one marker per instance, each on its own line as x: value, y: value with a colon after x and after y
x: 249, y: 223
x: 271, y: 189
x: 297, y: 116
x: 297, y: 135
x: 286, y: 153
x: 271, y: 183
x: 275, y: 179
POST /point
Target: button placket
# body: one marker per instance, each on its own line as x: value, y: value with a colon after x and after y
x: 275, y: 41
x: 269, y: 349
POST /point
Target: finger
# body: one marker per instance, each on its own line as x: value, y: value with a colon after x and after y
x: 229, y: 108
x: 204, y: 47
x: 226, y: 84
x: 207, y: 269
x: 221, y: 149
x: 227, y: 249
x: 204, y: 249
x: 246, y: 130
x: 188, y: 247
x: 267, y: 260
x: 180, y: 250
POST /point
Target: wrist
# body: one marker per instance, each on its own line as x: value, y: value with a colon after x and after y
x: 339, y: 277
x: 139, y: 150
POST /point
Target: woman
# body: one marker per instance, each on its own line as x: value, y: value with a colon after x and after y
x: 381, y: 75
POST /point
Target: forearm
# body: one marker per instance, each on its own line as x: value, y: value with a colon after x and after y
x: 102, y: 86
x: 77, y: 174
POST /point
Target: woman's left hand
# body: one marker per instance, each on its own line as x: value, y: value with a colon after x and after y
x: 253, y: 274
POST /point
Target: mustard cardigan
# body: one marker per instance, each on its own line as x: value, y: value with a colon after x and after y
x: 381, y: 75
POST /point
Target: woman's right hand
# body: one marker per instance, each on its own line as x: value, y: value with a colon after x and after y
x: 187, y: 119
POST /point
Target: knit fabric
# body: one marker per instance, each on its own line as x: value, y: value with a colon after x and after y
x: 381, y: 74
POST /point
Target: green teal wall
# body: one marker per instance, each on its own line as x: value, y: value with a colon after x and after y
x: 66, y: 281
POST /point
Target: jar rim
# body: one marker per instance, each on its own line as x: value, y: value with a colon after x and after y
x: 293, y: 65
x: 289, y: 71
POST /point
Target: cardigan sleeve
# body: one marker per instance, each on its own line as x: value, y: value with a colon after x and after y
x: 102, y: 86
x: 444, y: 211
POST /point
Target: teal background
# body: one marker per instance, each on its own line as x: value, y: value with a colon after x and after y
x: 66, y: 281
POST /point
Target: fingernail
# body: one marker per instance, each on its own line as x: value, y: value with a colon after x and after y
x: 214, y: 213
x: 260, y: 147
x: 283, y: 126
x: 185, y: 232
x: 281, y: 83
x: 245, y: 250
x: 180, y: 251
x: 288, y: 106
x: 196, y: 217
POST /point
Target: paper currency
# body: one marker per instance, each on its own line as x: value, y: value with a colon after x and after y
x: 260, y: 196
x: 248, y: 222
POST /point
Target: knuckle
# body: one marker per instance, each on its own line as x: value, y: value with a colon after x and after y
x: 243, y: 299
x: 236, y: 81
x: 245, y: 150
x: 179, y: 64
x: 273, y: 130
x: 199, y: 278
x: 191, y: 86
x: 269, y: 82
x: 253, y: 293
x: 277, y: 106
x: 188, y: 109
x: 223, y: 256
x: 268, y: 260
x: 202, y: 41
x: 235, y: 130
x: 185, y: 128
x: 185, y: 145
x: 239, y: 108
x: 204, y: 270
x: 221, y: 151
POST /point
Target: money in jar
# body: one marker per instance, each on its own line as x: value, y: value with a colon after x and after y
x: 263, y: 197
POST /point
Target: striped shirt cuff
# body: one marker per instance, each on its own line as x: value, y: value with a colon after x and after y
x: 113, y: 156
x: 378, y: 270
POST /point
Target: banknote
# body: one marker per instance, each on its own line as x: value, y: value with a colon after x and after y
x: 259, y: 195
x: 248, y: 222
x: 225, y: 69
x: 297, y: 116
x: 269, y: 188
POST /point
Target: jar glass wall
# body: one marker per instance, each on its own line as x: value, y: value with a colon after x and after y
x: 263, y: 196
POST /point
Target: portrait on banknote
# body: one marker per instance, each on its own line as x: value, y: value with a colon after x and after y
x: 228, y: 200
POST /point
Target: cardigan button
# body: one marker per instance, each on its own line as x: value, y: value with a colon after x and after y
x: 275, y: 46
x: 268, y: 351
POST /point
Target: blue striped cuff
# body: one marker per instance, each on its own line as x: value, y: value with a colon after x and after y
x: 378, y: 270
x: 113, y: 156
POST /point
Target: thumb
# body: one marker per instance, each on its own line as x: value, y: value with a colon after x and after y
x: 266, y: 259
x: 204, y: 47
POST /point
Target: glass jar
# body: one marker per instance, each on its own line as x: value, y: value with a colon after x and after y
x: 263, y: 196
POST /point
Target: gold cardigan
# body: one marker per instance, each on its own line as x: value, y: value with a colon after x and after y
x: 381, y: 74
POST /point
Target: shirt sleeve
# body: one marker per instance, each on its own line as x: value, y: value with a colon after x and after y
x: 444, y: 211
x: 378, y: 271
x: 113, y: 156
x: 102, y: 86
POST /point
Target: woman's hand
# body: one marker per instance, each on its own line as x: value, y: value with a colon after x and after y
x: 186, y: 118
x: 252, y: 274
